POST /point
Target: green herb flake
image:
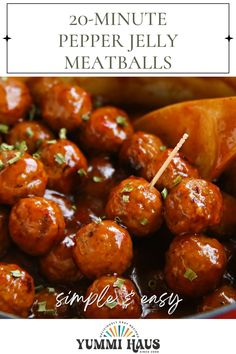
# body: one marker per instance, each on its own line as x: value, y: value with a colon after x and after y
x: 36, y: 155
x: 119, y: 283
x: 51, y: 142
x: 81, y: 172
x: 22, y: 147
x: 6, y: 147
x: 62, y: 133
x: 127, y: 188
x: 177, y: 180
x: 17, y: 273
x: 97, y: 179
x: 42, y: 306
x: 4, y: 128
x: 59, y: 158
x: 29, y: 132
x: 111, y: 304
x: 15, y: 158
x: 164, y: 193
x: 125, y: 198
x: 74, y: 207
x: 190, y: 274
x: 121, y: 121
x: 85, y: 117
x: 51, y: 290
x: 162, y: 148
x: 144, y: 221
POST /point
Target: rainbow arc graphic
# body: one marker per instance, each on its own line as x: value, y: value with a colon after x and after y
x: 119, y: 330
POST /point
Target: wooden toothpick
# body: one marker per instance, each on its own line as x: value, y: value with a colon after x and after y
x: 168, y: 160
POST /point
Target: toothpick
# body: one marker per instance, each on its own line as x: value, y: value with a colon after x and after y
x: 168, y: 160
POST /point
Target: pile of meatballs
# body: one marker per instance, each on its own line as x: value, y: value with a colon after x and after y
x: 77, y: 206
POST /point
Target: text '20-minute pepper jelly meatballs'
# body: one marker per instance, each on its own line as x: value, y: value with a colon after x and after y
x: 119, y: 298
x: 16, y: 290
x: 194, y: 265
x: 193, y: 206
x: 65, y: 105
x: 139, y: 151
x: 137, y: 205
x: 36, y: 225
x: 15, y: 101
x: 21, y: 175
x: 64, y: 163
x: 103, y: 248
x: 105, y: 130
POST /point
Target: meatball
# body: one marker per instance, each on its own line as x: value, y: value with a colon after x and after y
x: 139, y: 151
x: 65, y: 106
x: 88, y: 209
x: 225, y: 295
x: 193, y: 206
x: 45, y: 305
x: 4, y: 234
x: 15, y: 101
x: 194, y: 264
x: 58, y: 265
x: 63, y: 202
x: 20, y: 176
x: 16, y: 290
x: 119, y: 299
x: 39, y: 87
x: 176, y: 170
x: 33, y: 133
x: 36, y: 225
x: 137, y: 205
x: 64, y: 164
x: 105, y: 130
x: 100, y: 177
x: 103, y: 248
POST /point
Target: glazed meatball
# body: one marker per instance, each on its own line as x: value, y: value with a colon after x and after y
x: 4, y: 234
x: 64, y: 163
x: 65, y: 106
x: 139, y: 151
x: 100, y: 177
x: 103, y: 248
x: 39, y: 87
x: 193, y: 206
x: 194, y: 265
x: 45, y: 305
x: 16, y: 290
x: 88, y: 209
x: 58, y: 265
x: 36, y: 225
x: 15, y: 101
x: 33, y: 133
x: 63, y: 202
x: 120, y: 299
x: 105, y: 130
x: 137, y: 205
x: 20, y: 176
x: 223, y: 296
x: 175, y: 172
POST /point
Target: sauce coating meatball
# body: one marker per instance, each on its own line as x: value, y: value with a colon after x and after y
x: 33, y: 133
x: 15, y: 101
x: 4, y: 234
x: 176, y: 170
x: 20, y: 176
x: 16, y: 290
x: 103, y: 248
x: 88, y: 209
x: 192, y: 206
x: 105, y: 130
x: 120, y: 299
x: 63, y: 162
x: 65, y: 105
x: 39, y: 86
x: 45, y: 305
x: 36, y: 225
x: 58, y: 265
x: 194, y: 265
x: 139, y: 151
x: 137, y: 205
x: 63, y: 202
x: 223, y: 296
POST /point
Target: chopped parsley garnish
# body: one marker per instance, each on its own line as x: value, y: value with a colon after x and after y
x: 6, y: 147
x: 190, y: 274
x: 164, y: 193
x: 17, y: 273
x: 51, y: 141
x: 121, y: 121
x: 81, y: 172
x: 119, y: 283
x: 42, y: 307
x: 97, y: 179
x: 86, y: 117
x: 4, y: 129
x: 21, y: 146
x: 15, y: 158
x: 62, y: 133
x: 144, y: 221
x: 177, y: 180
x: 127, y: 188
x: 125, y: 198
x: 111, y: 304
x: 162, y: 148
x: 59, y: 158
x: 29, y: 132
x: 74, y: 207
x: 36, y: 155
x: 51, y: 290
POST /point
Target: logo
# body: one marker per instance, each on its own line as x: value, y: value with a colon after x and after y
x: 120, y: 335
